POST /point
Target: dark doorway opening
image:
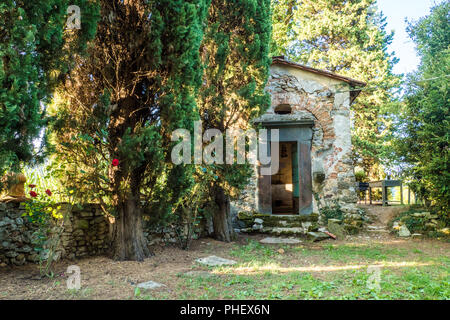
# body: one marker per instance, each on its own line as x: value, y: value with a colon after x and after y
x: 285, y: 184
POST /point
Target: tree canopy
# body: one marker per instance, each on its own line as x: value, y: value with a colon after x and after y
x: 235, y: 54
x: 423, y: 127
x: 35, y: 53
x: 118, y: 107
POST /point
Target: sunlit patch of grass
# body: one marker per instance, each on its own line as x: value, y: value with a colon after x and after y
x: 263, y: 273
x: 377, y: 252
x: 409, y: 282
x: 253, y: 250
x: 252, y: 268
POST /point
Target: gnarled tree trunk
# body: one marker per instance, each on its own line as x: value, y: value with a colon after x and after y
x: 129, y: 242
x: 223, y: 230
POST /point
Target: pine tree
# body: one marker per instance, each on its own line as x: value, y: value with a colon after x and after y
x: 118, y: 108
x: 235, y: 52
x: 35, y: 52
x: 347, y: 37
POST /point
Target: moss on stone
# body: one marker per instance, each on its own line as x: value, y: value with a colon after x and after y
x: 351, y: 229
x: 270, y: 220
x: 82, y: 224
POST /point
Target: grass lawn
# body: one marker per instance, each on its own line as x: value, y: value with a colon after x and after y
x: 406, y: 269
x: 326, y: 272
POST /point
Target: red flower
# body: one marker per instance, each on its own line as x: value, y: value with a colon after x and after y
x: 32, y: 186
x: 115, y: 162
x: 33, y: 194
x: 48, y: 192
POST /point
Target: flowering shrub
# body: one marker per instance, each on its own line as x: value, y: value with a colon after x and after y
x: 47, y: 215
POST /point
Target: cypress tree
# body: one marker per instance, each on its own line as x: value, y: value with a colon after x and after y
x: 118, y: 108
x: 234, y: 52
x: 35, y: 53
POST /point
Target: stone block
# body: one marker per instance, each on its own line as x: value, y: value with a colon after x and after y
x: 336, y: 229
x: 317, y: 236
x: 214, y: 261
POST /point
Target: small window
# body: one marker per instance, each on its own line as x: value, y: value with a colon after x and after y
x: 283, y: 109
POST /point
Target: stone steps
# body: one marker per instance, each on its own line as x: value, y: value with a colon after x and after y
x: 377, y: 229
x: 276, y: 221
x: 277, y: 231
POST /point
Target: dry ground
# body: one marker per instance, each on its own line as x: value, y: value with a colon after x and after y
x: 331, y: 269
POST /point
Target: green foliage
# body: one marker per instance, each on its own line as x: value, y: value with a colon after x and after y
x: 361, y: 176
x: 48, y: 216
x: 152, y: 86
x: 234, y: 53
x: 34, y: 54
x: 329, y: 210
x: 194, y: 206
x: 414, y: 224
x: 186, y: 214
x: 332, y: 212
x: 43, y: 179
x: 115, y: 114
x: 349, y: 38
x: 424, y: 117
x: 272, y: 275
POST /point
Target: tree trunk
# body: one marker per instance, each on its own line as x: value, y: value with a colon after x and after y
x: 223, y: 230
x: 129, y: 242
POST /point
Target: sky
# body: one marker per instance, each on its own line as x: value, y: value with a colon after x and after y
x: 396, y: 11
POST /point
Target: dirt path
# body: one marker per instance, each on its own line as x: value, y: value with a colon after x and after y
x: 380, y: 215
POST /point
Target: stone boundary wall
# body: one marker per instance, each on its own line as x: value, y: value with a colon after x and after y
x: 15, y: 236
x: 86, y: 232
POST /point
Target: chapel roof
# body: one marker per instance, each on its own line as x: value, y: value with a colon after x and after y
x: 356, y: 85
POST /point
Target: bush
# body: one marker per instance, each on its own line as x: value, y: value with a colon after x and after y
x: 332, y: 211
x: 49, y: 217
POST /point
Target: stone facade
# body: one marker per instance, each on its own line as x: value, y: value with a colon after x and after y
x: 322, y: 99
